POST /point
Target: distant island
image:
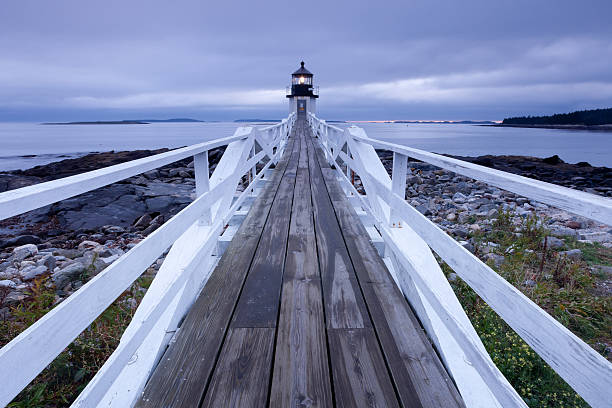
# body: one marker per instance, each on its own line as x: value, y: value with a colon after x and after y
x: 256, y: 120
x: 594, y: 119
x: 448, y: 122
x: 127, y: 122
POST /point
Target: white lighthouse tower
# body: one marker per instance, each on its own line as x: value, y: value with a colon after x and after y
x: 303, y: 95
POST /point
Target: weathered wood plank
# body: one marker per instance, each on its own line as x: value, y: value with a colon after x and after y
x: 243, y: 370
x: 184, y: 370
x: 344, y: 305
x: 301, y: 371
x: 419, y: 376
x: 260, y: 298
x: 360, y: 376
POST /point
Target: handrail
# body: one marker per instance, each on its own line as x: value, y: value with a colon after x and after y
x: 576, y: 362
x: 21, y: 200
x: 578, y: 202
x: 48, y: 336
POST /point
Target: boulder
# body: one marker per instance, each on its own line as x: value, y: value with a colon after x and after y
x: 48, y: 260
x: 22, y: 252
x: 553, y: 242
x: 561, y: 231
x: 5, y: 283
x: 33, y: 272
x: 21, y: 240
x: 596, y: 236
x: 9, y: 273
x: 68, y: 273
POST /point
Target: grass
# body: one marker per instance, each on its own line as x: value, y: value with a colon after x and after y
x: 61, y: 381
x: 564, y: 287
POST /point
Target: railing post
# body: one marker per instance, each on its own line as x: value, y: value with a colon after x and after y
x: 398, y: 184
x: 202, y: 179
x: 253, y: 172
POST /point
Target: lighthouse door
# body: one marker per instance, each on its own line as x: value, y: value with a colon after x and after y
x: 301, y: 106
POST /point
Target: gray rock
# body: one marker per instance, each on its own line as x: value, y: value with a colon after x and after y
x: 604, y: 269
x: 160, y: 204
x: 554, y: 242
x: 423, y: 209
x: 452, y: 277
x: 5, y: 283
x: 48, y: 261
x: 22, y: 252
x: 70, y: 272
x: 572, y: 254
x: 88, y: 245
x: 143, y: 221
x: 562, y: 231
x: 32, y: 272
x: 151, y: 174
x: 103, y: 251
x: 529, y: 283
x: 599, y: 236
x: 114, y: 229
x: 13, y: 297
x: 4, y: 265
x: 461, y: 232
x: 497, y: 259
x: 459, y: 197
x: 9, y: 273
x: 21, y: 240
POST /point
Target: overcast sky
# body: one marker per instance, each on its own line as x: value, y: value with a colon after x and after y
x: 215, y: 60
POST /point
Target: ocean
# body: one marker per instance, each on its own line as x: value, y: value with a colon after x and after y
x: 24, y: 145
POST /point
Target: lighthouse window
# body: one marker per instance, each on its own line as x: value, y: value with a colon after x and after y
x: 301, y: 80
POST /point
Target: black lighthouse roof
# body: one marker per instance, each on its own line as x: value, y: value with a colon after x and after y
x: 302, y: 70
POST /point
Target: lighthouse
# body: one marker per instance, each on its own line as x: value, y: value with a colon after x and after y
x: 303, y: 95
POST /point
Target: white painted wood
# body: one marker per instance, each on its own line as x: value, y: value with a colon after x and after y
x: 28, y: 198
x: 398, y: 183
x: 576, y: 362
x: 166, y: 301
x: 578, y: 202
x: 197, y: 242
x: 583, y: 368
x: 46, y: 338
x: 417, y: 257
x: 190, y: 254
x: 202, y: 181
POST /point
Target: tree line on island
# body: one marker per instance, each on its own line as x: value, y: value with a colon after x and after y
x: 593, y: 117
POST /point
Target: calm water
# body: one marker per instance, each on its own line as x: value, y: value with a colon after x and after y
x: 51, y: 143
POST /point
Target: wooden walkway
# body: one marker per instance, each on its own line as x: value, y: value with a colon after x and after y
x: 301, y: 311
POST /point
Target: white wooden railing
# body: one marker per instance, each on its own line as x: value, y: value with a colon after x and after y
x: 409, y: 238
x: 191, y: 235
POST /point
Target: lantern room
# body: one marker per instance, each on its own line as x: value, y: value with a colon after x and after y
x: 302, y: 95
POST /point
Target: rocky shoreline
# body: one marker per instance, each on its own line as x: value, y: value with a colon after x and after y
x: 66, y: 243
